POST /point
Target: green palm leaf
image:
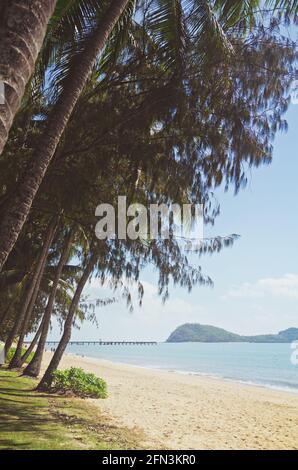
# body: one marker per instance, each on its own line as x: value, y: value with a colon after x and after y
x: 167, y: 24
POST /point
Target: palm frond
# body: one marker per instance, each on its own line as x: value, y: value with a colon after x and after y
x: 167, y: 24
x: 208, y: 28
x: 289, y: 7
x: 240, y: 13
x: 70, y: 30
x: 124, y: 35
x: 71, y: 21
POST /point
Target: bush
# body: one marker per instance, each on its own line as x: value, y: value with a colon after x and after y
x: 80, y: 383
x: 11, y: 352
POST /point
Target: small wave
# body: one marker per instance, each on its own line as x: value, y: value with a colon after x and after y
x: 280, y: 385
x: 272, y: 378
x: 195, y: 373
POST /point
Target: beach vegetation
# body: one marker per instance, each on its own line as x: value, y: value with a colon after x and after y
x: 79, y: 383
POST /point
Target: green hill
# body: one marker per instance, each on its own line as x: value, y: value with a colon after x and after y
x: 194, y: 332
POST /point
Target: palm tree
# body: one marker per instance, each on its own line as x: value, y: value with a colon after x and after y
x: 16, y: 214
x: 207, y: 22
x: 24, y: 316
x: 22, y: 29
x: 48, y: 376
x: 33, y: 343
x: 33, y: 368
x: 83, y: 114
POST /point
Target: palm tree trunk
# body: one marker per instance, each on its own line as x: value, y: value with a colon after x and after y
x: 17, y: 211
x: 33, y: 368
x: 47, y: 379
x: 23, y: 26
x: 30, y: 291
x: 33, y: 343
x: 16, y: 361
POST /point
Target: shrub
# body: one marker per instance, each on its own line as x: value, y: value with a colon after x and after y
x: 11, y: 352
x: 80, y: 383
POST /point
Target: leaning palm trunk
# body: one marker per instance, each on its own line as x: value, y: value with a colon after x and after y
x: 33, y: 343
x: 16, y: 360
x: 16, y: 325
x: 17, y: 211
x: 33, y: 368
x: 30, y: 291
x: 23, y: 26
x: 47, y: 379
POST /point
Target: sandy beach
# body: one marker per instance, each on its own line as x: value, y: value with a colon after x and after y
x: 176, y: 411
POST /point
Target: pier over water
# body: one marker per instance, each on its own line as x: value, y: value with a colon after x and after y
x: 103, y: 343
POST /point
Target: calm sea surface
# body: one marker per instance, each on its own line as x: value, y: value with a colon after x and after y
x: 263, y: 364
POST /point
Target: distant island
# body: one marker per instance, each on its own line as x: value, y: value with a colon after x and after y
x: 194, y: 332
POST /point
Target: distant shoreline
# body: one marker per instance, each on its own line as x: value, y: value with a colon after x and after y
x: 229, y: 342
x: 195, y: 332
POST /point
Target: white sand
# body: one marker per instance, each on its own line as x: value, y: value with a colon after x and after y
x: 178, y: 411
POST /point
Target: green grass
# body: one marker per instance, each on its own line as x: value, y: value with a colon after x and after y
x: 38, y: 421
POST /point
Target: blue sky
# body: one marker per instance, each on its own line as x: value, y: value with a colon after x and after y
x: 255, y: 282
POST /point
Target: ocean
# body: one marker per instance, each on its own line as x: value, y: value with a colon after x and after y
x: 268, y: 365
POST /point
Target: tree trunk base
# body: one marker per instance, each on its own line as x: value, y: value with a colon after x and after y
x: 43, y: 388
x: 30, y: 373
x: 15, y: 365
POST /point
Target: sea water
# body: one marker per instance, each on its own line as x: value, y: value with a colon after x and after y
x: 269, y: 365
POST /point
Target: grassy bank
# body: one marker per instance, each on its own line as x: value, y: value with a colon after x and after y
x: 31, y: 420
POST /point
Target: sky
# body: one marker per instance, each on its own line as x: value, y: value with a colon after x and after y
x: 255, y: 281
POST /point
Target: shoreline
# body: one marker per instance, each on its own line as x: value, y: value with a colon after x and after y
x: 290, y: 391
x: 180, y: 411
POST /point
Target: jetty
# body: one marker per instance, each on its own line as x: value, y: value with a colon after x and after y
x: 103, y: 343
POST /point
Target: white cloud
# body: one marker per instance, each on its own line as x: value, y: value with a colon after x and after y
x: 286, y: 286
